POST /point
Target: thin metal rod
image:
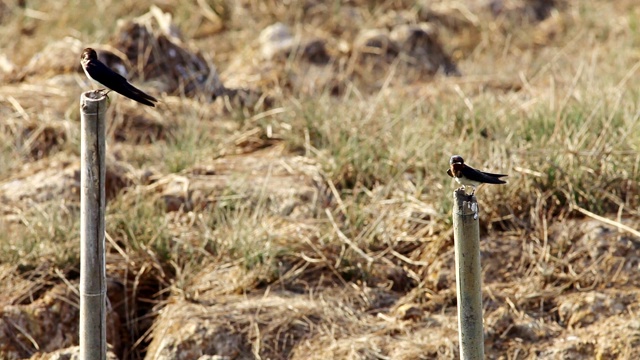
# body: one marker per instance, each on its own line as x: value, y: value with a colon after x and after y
x: 466, y: 234
x: 93, y: 289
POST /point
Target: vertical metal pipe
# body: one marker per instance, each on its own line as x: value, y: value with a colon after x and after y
x: 466, y: 234
x: 93, y: 289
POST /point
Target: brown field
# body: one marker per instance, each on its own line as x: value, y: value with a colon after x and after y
x: 288, y: 198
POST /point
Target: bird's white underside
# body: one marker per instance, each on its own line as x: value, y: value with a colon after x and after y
x: 90, y: 78
x: 466, y: 182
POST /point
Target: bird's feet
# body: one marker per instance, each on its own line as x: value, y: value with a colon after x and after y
x: 464, y: 188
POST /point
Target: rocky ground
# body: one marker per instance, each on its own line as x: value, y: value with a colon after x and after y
x: 287, y: 199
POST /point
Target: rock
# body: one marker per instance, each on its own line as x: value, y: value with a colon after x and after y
x: 290, y: 186
x: 375, y: 42
x: 58, y: 57
x: 42, y: 181
x: 421, y: 43
x: 59, y: 178
x: 315, y: 51
x: 6, y: 66
x: 276, y: 41
x: 413, y: 37
x: 168, y: 61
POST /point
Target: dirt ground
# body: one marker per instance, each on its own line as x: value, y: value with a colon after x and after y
x: 287, y: 198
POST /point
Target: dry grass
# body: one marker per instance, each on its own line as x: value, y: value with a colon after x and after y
x: 552, y: 102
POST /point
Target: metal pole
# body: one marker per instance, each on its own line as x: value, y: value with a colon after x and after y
x: 93, y: 289
x: 466, y: 235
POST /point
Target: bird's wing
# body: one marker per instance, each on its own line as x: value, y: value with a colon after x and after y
x: 110, y: 78
x: 471, y: 173
x: 119, y: 84
x: 132, y: 92
x: 494, y: 175
x: 141, y: 93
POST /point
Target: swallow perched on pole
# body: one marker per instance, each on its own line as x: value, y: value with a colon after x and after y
x: 465, y: 175
x: 101, y: 74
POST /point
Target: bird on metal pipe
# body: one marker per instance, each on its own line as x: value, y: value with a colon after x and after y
x: 101, y: 74
x: 465, y: 175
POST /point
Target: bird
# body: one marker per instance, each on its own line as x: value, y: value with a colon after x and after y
x: 465, y: 175
x: 101, y: 74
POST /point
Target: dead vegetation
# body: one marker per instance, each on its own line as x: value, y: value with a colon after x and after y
x: 288, y: 198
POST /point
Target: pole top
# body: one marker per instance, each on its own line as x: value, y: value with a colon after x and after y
x: 91, y: 101
x: 94, y: 95
x: 465, y: 204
